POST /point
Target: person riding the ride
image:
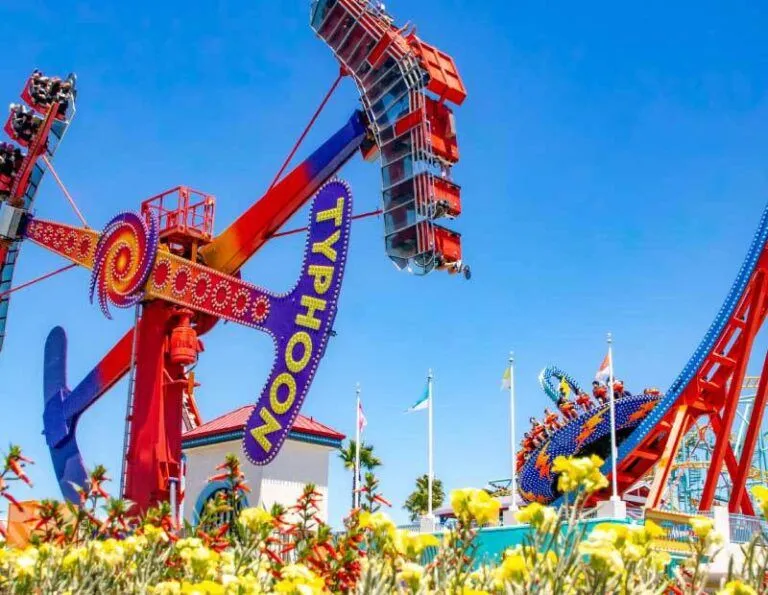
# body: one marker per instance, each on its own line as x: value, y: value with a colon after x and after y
x: 600, y: 392
x: 538, y: 432
x: 567, y: 408
x: 551, y: 420
x: 584, y: 401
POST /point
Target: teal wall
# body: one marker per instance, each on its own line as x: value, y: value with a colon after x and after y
x: 494, y: 541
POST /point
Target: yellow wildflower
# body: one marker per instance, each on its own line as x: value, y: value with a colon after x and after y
x: 761, y: 495
x: 297, y: 578
x: 202, y: 588
x: 255, y: 519
x: 241, y: 585
x: 109, y: 552
x: 600, y: 546
x: 166, y: 588
x: 411, y: 544
x: 578, y: 473
x: 704, y: 529
x: 134, y: 544
x: 737, y: 588
x: 154, y: 534
x: 411, y: 574
x: 378, y: 522
x: 73, y: 557
x: 25, y: 562
x: 512, y: 569
x: 470, y: 504
x: 539, y: 517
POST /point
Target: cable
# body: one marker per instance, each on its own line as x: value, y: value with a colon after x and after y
x: 291, y: 232
x: 42, y: 278
x: 307, y: 129
x: 64, y: 190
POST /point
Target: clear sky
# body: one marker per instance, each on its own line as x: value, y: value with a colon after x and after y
x: 613, y: 173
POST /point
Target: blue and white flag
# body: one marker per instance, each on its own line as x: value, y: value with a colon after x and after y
x: 422, y: 403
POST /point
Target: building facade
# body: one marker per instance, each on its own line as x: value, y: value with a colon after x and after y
x: 303, y: 459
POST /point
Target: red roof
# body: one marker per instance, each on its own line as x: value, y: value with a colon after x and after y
x: 235, y: 420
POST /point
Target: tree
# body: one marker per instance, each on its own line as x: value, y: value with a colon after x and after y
x: 368, y: 461
x: 418, y: 502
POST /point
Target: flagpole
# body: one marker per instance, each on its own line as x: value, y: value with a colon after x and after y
x: 615, y: 495
x: 430, y: 476
x: 357, y: 447
x: 513, y: 438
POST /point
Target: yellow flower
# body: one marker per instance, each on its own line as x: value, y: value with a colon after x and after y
x: 378, y: 522
x: 109, y: 552
x: 512, y: 569
x: 73, y: 557
x: 411, y: 574
x: 154, y: 534
x: 761, y: 495
x: 241, y: 585
x: 702, y: 526
x: 297, y: 578
x: 539, y: 517
x: 254, y: 519
x: 412, y: 544
x: 653, y: 531
x: 659, y: 561
x: 737, y: 588
x: 202, y: 588
x: 166, y: 588
x: 470, y: 504
x: 600, y: 546
x: 25, y: 562
x: 189, y: 542
x: 134, y: 544
x: 578, y: 473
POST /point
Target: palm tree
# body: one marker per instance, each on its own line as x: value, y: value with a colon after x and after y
x: 418, y: 502
x: 368, y: 461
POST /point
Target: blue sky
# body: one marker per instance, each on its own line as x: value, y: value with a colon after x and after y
x: 613, y: 172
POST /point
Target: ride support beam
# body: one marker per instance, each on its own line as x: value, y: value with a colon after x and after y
x: 731, y: 465
x: 722, y: 439
x: 750, y: 440
x: 153, y: 453
x: 664, y: 466
x: 232, y: 248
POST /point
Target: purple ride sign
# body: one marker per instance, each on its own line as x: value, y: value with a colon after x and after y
x: 300, y: 323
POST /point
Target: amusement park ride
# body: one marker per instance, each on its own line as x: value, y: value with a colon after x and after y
x: 651, y: 428
x: 182, y: 278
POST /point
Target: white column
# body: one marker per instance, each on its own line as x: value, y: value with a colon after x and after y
x: 512, y: 435
x: 357, y: 446
x: 430, y: 476
x: 614, y: 454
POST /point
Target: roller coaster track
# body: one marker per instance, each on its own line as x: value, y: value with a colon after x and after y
x: 709, y: 385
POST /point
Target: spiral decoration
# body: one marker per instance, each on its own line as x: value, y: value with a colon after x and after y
x: 123, y: 261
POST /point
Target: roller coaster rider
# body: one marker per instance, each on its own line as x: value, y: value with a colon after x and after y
x: 566, y: 406
x: 11, y: 159
x: 584, y: 401
x: 619, y: 391
x: 24, y: 123
x: 551, y: 420
x: 600, y: 392
x: 538, y: 432
x: 45, y: 90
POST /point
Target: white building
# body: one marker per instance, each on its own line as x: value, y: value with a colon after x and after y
x: 304, y: 458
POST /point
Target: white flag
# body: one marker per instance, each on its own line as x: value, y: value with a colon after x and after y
x: 604, y: 372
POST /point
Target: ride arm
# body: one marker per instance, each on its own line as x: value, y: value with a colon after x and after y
x: 63, y: 408
x: 231, y: 249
